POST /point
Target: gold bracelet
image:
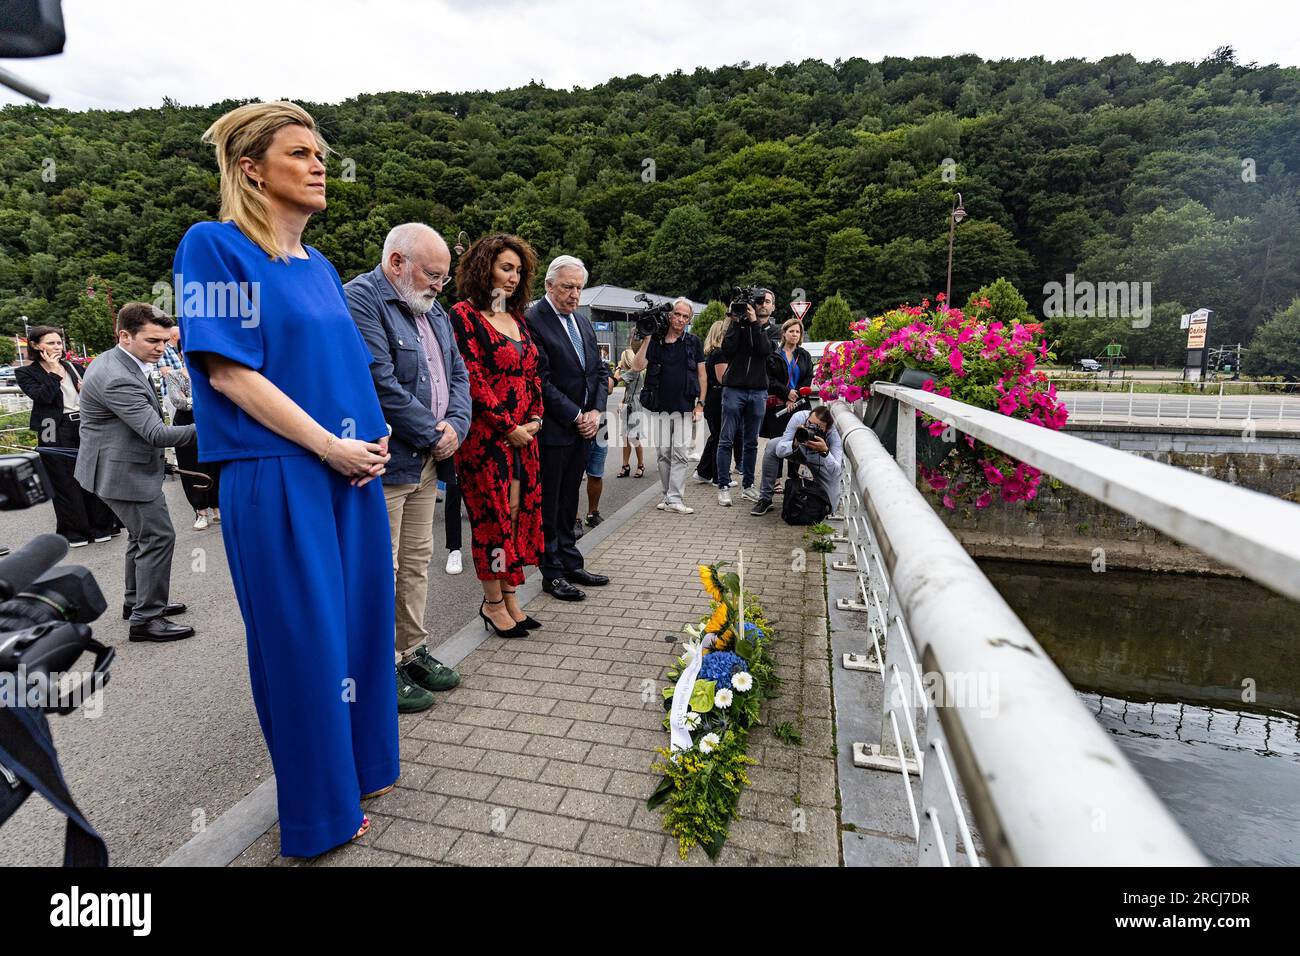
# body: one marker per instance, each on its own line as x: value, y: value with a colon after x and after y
x: 329, y: 442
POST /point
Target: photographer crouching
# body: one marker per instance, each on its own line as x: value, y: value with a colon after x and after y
x: 810, y: 440
x: 673, y: 393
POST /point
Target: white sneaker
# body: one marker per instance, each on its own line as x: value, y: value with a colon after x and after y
x: 661, y: 506
x: 200, y: 522
x: 454, y: 563
x: 750, y: 493
x: 216, y: 516
x: 679, y: 509
x: 724, y: 497
x: 701, y: 480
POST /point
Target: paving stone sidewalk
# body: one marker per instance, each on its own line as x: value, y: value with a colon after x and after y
x: 542, y: 755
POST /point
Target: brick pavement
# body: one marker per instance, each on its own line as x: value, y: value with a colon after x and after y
x: 541, y: 756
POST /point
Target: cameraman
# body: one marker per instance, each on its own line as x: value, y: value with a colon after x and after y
x: 810, y: 438
x: 674, y: 388
x: 745, y: 349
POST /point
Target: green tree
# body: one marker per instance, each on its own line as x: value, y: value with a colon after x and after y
x: 1006, y: 304
x: 90, y: 324
x: 8, y: 350
x: 1275, y: 349
x: 831, y: 321
x: 711, y: 313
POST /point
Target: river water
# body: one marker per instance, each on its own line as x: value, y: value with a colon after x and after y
x: 1198, y: 681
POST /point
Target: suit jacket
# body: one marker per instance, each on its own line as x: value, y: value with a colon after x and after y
x: 567, y: 387
x: 122, y: 431
x: 46, y: 392
x: 401, y: 373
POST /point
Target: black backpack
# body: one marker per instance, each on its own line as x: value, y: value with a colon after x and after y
x: 805, y: 501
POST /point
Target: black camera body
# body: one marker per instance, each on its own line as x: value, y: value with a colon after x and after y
x: 809, y: 432
x: 652, y: 320
x: 741, y: 297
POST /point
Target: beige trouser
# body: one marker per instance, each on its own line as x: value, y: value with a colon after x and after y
x: 410, y: 521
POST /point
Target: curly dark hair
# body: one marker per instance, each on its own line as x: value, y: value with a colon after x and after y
x: 474, y: 271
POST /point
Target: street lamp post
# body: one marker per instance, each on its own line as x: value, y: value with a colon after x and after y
x: 957, y: 215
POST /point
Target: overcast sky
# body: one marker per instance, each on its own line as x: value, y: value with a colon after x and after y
x: 129, y: 53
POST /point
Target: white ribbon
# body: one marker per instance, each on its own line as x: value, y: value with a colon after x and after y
x: 680, y: 735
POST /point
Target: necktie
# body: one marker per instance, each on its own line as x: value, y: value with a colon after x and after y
x: 575, y: 338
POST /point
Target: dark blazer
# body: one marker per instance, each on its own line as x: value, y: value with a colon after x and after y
x: 567, y: 388
x: 122, y: 431
x: 401, y: 374
x: 779, y: 386
x: 46, y: 392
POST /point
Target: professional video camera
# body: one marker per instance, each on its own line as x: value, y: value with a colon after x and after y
x: 44, y: 629
x: 652, y: 320
x: 741, y: 297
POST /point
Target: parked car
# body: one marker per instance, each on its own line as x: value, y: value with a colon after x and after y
x: 7, y: 376
x: 1088, y: 365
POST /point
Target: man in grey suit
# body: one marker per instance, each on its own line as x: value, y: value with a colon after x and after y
x: 121, y: 460
x: 423, y: 388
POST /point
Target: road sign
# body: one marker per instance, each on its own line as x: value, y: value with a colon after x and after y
x: 800, y: 309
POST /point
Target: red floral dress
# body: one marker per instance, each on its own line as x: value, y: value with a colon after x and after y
x: 506, y: 390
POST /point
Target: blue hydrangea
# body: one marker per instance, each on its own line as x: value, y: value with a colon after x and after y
x: 719, y: 666
x: 752, y: 631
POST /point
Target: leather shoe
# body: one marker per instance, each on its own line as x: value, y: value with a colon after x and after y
x: 160, y: 629
x: 562, y: 589
x: 169, y: 610
x: 583, y: 576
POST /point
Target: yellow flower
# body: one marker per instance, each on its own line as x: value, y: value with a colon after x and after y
x: 723, y: 641
x: 710, y: 582
x: 716, y: 622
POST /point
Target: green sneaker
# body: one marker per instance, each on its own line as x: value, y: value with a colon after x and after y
x: 411, y: 697
x: 429, y: 673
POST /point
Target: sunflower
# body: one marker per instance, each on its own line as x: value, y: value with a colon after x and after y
x: 723, y: 641
x: 718, y: 619
x: 709, y: 578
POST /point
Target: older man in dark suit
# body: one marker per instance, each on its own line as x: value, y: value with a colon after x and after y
x: 574, y: 392
x: 121, y: 460
x: 423, y: 387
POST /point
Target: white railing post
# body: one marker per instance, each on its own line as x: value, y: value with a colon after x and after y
x: 938, y: 839
x: 905, y: 440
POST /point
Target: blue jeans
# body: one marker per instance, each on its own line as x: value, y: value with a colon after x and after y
x: 742, y: 410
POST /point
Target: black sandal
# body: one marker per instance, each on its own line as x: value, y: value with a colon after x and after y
x: 640, y: 471
x: 528, y: 624
x: 627, y: 470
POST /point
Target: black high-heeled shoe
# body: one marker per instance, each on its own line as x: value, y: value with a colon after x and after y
x: 528, y: 624
x: 515, y: 631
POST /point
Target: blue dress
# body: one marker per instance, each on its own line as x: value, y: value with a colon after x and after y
x: 310, y: 555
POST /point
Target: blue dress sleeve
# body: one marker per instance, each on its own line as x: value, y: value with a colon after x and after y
x: 218, y: 308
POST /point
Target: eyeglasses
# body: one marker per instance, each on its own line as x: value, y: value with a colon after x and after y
x: 437, y: 278
x: 569, y: 287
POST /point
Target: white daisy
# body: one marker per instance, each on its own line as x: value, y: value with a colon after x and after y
x: 722, y: 698
x: 742, y: 681
x: 708, y: 742
x: 692, y: 720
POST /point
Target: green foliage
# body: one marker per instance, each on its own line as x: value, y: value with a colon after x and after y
x: 711, y: 313
x: 787, y: 734
x: 8, y: 350
x: 1275, y: 349
x: 823, y: 177
x: 831, y: 321
x: 705, y: 790
x: 1006, y: 304
x: 90, y: 324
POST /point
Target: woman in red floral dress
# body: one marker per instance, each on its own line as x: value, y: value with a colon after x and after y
x: 500, y: 474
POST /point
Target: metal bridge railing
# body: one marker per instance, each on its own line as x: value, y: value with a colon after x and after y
x: 968, y: 694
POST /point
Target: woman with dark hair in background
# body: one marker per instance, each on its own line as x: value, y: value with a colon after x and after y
x: 630, y: 409
x: 54, y: 386
x: 789, y: 369
x: 499, y: 467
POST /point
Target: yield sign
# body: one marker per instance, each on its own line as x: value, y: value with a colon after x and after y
x: 800, y: 309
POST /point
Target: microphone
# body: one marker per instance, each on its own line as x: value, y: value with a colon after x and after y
x: 29, y: 562
x: 804, y: 394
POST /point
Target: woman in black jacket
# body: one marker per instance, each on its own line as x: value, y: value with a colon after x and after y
x: 789, y: 369
x: 54, y: 386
